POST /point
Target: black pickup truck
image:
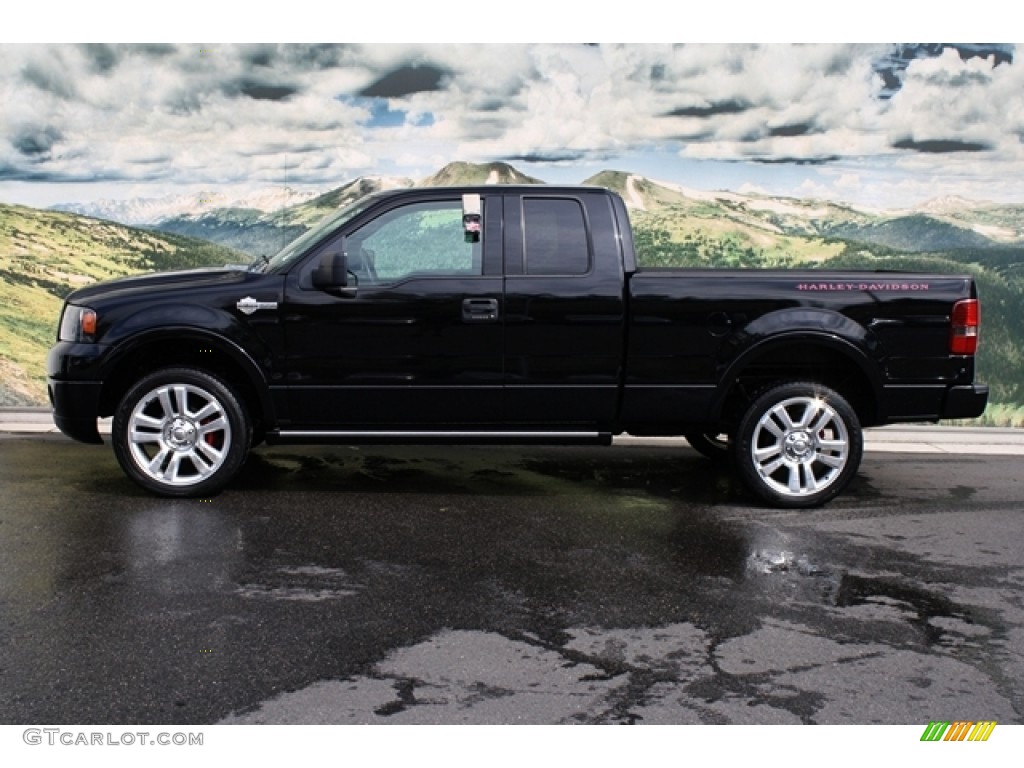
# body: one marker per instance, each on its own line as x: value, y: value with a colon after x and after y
x: 508, y: 314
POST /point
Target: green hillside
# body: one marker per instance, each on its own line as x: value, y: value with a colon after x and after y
x: 44, y: 255
x: 1002, y: 223
x: 916, y: 233
x: 700, y: 236
x: 242, y: 229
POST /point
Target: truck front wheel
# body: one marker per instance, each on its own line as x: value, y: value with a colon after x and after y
x: 798, y: 445
x: 181, y: 432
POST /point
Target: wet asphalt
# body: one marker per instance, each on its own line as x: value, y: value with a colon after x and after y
x: 633, y: 584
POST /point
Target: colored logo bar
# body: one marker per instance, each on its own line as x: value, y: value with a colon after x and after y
x: 958, y: 730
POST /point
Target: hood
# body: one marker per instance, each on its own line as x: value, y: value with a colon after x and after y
x: 183, y: 280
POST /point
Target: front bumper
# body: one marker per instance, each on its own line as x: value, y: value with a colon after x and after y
x: 76, y: 408
x: 75, y: 389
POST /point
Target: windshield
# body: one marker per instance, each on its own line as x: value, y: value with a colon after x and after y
x: 324, y: 228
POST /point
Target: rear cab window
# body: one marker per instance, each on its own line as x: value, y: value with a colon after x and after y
x: 555, y: 240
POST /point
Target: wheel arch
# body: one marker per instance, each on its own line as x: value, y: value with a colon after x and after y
x: 840, y: 363
x: 189, y: 347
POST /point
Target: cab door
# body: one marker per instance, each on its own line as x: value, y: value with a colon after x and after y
x: 564, y: 310
x: 415, y: 342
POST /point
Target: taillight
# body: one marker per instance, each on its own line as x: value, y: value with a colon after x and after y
x: 963, y: 332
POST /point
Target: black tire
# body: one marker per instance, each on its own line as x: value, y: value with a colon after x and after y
x: 798, y: 445
x: 712, y: 445
x: 181, y: 432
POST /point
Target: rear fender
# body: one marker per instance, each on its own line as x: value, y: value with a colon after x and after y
x: 769, y: 336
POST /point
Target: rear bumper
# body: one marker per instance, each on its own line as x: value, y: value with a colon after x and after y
x: 932, y: 402
x: 965, y: 402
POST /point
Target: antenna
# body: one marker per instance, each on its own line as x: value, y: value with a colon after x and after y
x: 284, y: 231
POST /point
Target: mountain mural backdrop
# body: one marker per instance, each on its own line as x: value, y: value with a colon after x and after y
x: 45, y: 254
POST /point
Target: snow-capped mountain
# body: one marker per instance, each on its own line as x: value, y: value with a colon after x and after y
x: 150, y: 211
x: 261, y: 221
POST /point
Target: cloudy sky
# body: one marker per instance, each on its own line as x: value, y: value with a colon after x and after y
x: 885, y: 125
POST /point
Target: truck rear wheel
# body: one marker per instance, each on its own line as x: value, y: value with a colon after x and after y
x: 798, y: 445
x: 181, y: 432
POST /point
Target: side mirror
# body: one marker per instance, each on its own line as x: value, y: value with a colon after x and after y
x: 331, y: 273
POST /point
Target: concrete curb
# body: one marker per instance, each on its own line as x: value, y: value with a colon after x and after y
x: 993, y: 441
x: 964, y: 441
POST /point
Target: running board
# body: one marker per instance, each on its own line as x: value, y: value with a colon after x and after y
x: 395, y: 437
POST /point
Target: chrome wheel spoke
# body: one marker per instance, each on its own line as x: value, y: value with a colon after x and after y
x: 782, y: 416
x: 164, y: 398
x: 830, y: 460
x: 213, y: 426
x: 137, y: 436
x: 826, y: 418
x: 793, y: 478
x: 834, y: 448
x: 206, y: 451
x: 173, y: 468
x: 199, y: 461
x: 784, y: 423
x: 148, y: 422
x: 156, y: 466
x: 180, y: 401
x: 810, y: 483
x: 208, y: 410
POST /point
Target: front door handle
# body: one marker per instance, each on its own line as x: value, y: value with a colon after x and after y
x: 480, y: 310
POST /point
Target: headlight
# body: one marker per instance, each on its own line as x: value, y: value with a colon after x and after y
x: 77, y: 324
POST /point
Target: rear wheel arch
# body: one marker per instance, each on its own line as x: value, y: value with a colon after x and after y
x: 827, y: 360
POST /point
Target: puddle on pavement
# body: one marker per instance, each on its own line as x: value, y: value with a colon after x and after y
x: 307, y: 584
x: 934, y: 619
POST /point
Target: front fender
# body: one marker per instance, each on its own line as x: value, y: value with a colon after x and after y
x: 200, y: 331
x: 127, y: 328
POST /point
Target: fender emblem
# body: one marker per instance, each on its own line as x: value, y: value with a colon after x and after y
x: 248, y: 305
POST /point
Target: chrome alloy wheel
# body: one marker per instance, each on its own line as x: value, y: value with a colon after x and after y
x: 179, y: 434
x: 800, y: 446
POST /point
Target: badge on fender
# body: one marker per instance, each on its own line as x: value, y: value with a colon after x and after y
x: 248, y: 305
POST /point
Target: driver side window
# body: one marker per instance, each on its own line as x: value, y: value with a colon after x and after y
x: 417, y: 240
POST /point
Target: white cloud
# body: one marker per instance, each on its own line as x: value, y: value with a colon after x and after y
x: 224, y: 113
x: 946, y: 99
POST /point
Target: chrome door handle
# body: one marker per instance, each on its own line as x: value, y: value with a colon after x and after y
x: 480, y: 310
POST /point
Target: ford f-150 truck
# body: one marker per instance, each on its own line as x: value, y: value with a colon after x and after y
x: 508, y: 314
